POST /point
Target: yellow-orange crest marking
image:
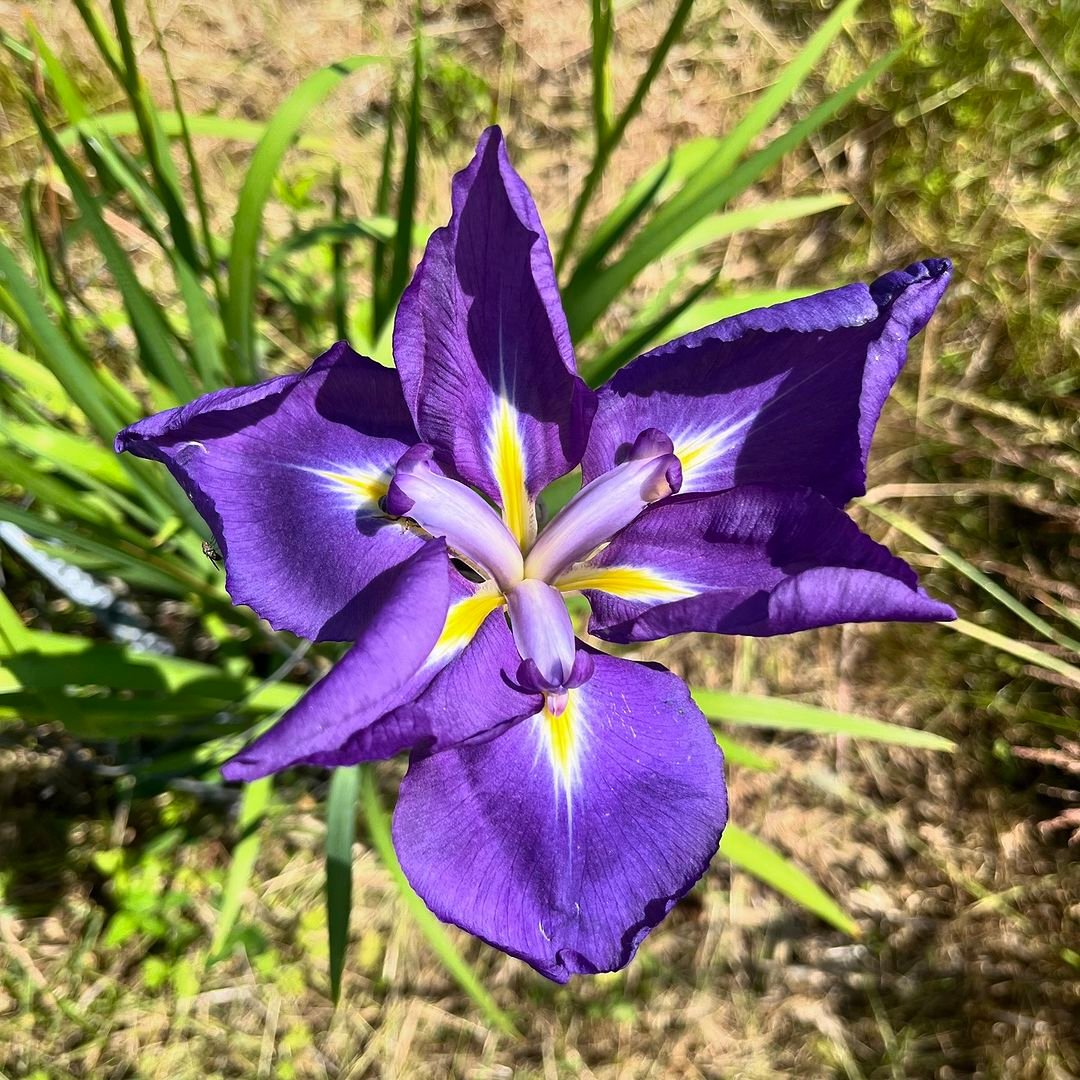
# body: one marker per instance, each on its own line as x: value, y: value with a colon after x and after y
x: 561, y: 737
x: 695, y: 449
x: 463, y: 619
x: 626, y: 582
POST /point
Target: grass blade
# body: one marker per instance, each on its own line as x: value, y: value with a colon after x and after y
x: 19, y: 300
x: 340, y: 834
x: 407, y: 189
x: 603, y: 85
x: 737, y: 753
x: 636, y: 340
x: 381, y: 247
x: 782, y: 715
x: 147, y: 320
x: 253, y: 804
x: 657, y: 184
x: 722, y: 225
x: 915, y: 531
x: 122, y: 122
x: 155, y: 144
x: 247, y: 224
x: 1020, y: 649
x: 378, y: 825
x: 752, y: 854
x: 610, y: 133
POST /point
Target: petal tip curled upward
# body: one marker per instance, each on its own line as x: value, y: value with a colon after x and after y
x: 788, y: 394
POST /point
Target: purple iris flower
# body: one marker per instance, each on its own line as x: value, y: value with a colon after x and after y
x: 559, y: 801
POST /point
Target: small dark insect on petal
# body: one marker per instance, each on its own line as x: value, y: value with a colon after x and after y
x: 212, y: 553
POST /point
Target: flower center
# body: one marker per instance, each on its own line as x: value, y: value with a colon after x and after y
x: 551, y: 663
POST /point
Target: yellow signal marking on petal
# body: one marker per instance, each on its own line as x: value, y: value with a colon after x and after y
x: 560, y: 733
x: 463, y: 619
x: 561, y: 736
x: 508, y: 466
x: 695, y: 449
x: 370, y: 486
x: 626, y: 582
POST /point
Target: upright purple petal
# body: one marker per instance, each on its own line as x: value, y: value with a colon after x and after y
x: 567, y: 838
x: 784, y: 395
x: 288, y: 475
x: 482, y: 345
x: 754, y: 560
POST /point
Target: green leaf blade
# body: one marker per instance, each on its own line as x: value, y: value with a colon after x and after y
x: 280, y: 132
x: 340, y: 834
x: 752, y: 854
x: 783, y: 715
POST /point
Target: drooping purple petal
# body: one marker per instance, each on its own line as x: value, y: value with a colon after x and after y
x: 784, y: 395
x: 755, y: 560
x: 288, y: 475
x: 566, y: 839
x: 402, y: 615
x: 420, y: 676
x: 482, y: 345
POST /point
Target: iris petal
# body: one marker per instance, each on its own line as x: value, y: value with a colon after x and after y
x: 287, y: 475
x: 570, y: 836
x: 405, y: 684
x: 783, y: 395
x: 755, y: 560
x: 483, y: 349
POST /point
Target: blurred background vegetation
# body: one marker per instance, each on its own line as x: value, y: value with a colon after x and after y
x: 198, y: 193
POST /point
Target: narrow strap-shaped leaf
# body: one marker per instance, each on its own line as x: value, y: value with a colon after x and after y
x: 589, y: 297
x: 253, y: 804
x: 147, y: 320
x: 783, y: 715
x: 655, y: 185
x: 194, y: 169
x: 635, y: 340
x: 407, y: 188
x: 32, y: 382
x: 339, y: 256
x: 1030, y: 654
x: 774, y: 212
x: 153, y: 570
x: 340, y: 834
x: 603, y: 84
x: 737, y: 753
x: 123, y: 122
x: 613, y: 131
x: 103, y: 37
x: 381, y: 248
x: 752, y: 854
x: 378, y: 826
x: 162, y: 167
x: 20, y: 301
x: 247, y: 224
